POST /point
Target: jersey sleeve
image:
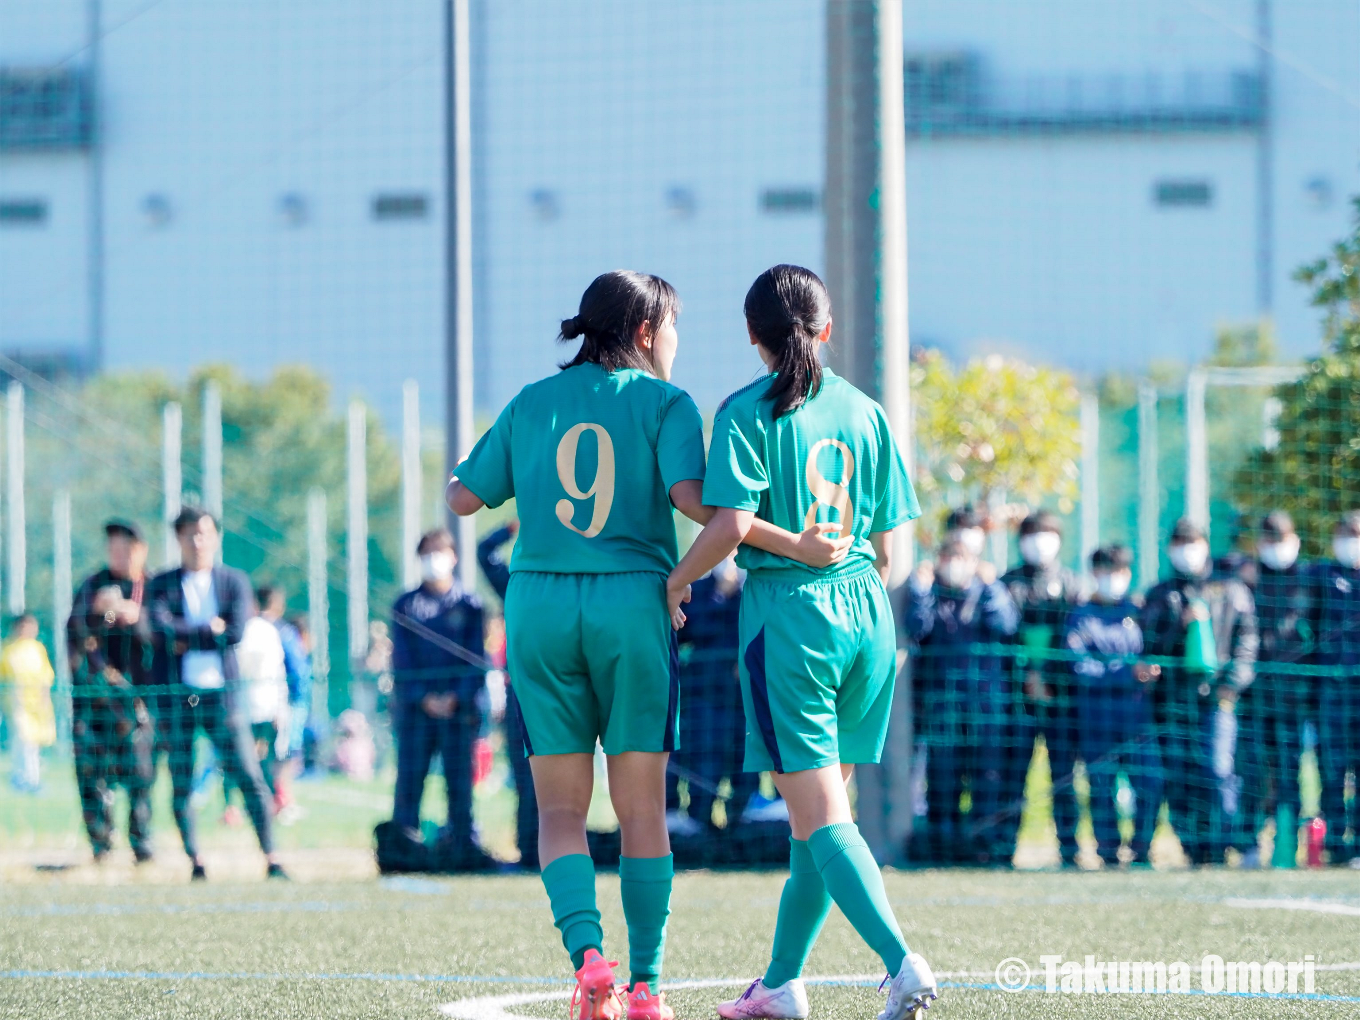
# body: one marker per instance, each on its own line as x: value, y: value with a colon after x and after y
x: 487, y: 469
x: 896, y: 498
x: 680, y: 442
x: 737, y: 475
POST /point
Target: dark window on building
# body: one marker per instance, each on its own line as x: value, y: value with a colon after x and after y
x: 789, y: 200
x: 1173, y: 194
x: 27, y: 212
x: 401, y: 207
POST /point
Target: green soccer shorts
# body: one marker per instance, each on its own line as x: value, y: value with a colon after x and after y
x: 593, y: 656
x: 818, y: 665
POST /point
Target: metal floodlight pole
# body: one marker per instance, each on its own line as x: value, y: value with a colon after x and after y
x: 1149, y: 489
x: 61, y: 608
x: 458, y: 396
x: 95, y: 192
x: 18, y: 538
x: 356, y: 545
x: 410, y: 482
x: 1090, y: 478
x: 172, y: 475
x: 866, y: 273
x: 318, y: 591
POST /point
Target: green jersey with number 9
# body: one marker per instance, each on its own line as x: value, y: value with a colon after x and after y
x: 833, y: 459
x: 590, y: 457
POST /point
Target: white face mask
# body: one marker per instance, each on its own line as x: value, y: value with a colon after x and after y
x: 973, y: 539
x: 1346, y: 549
x: 437, y: 566
x: 1040, y: 549
x: 1190, y: 557
x: 1113, y: 586
x: 956, y: 573
x: 1279, y: 555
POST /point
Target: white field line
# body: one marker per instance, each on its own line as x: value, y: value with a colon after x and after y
x: 1313, y: 906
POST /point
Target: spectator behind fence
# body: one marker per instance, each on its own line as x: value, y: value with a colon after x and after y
x: 26, y: 670
x: 1113, y: 706
x: 1271, y: 713
x: 297, y: 663
x: 968, y: 526
x: 112, y: 733
x: 1207, y: 626
x: 962, y: 701
x: 497, y: 572
x: 198, y: 613
x: 1339, y: 725
x: 713, y: 723
x: 264, y: 684
x: 1044, y: 590
x: 438, y: 674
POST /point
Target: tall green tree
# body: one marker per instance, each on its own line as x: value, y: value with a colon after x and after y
x: 1313, y: 471
x: 994, y: 428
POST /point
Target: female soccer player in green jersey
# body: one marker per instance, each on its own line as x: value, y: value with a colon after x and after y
x: 596, y: 456
x: 818, y: 645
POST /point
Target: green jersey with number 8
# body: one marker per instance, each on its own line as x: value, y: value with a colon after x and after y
x: 590, y: 457
x: 833, y: 459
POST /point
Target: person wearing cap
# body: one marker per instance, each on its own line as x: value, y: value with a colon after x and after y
x: 1339, y: 655
x: 1045, y: 592
x: 1271, y: 713
x: 198, y: 613
x: 1202, y: 630
x: 112, y: 732
x: 955, y: 611
x: 1116, y: 732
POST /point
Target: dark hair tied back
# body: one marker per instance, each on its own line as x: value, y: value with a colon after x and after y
x: 612, y: 308
x: 786, y: 310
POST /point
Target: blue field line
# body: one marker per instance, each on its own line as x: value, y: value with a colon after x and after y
x: 1305, y: 996
x: 119, y: 909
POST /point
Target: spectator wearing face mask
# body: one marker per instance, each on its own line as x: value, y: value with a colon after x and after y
x: 954, y: 611
x: 438, y: 678
x: 968, y: 526
x: 1339, y: 653
x: 1271, y: 712
x: 1204, y: 629
x: 1045, y: 591
x: 1114, y: 716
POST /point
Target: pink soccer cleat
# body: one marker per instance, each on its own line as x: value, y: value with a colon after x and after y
x: 643, y: 1005
x: 596, y: 990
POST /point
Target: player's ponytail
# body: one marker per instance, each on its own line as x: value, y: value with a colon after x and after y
x: 786, y: 310
x: 612, y: 308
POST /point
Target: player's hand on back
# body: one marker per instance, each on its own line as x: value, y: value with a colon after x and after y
x: 675, y: 598
x: 821, y: 544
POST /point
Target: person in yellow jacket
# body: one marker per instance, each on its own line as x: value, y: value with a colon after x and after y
x: 26, y: 672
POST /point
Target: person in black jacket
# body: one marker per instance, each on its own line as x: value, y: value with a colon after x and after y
x: 1045, y: 591
x: 438, y: 685
x: 1339, y: 654
x: 198, y: 612
x: 112, y: 734
x: 497, y: 573
x: 713, y: 724
x: 1205, y: 627
x: 1115, y: 728
x: 1271, y: 713
x: 962, y: 701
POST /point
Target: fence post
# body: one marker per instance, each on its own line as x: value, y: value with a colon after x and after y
x: 61, y: 610
x: 18, y: 545
x: 1196, y: 450
x: 410, y: 482
x: 212, y: 449
x: 1090, y: 479
x: 318, y: 598
x: 357, y: 535
x: 1149, y: 488
x: 172, y: 475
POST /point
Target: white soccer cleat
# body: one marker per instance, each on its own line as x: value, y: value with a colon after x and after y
x: 911, y: 991
x: 787, y: 1002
